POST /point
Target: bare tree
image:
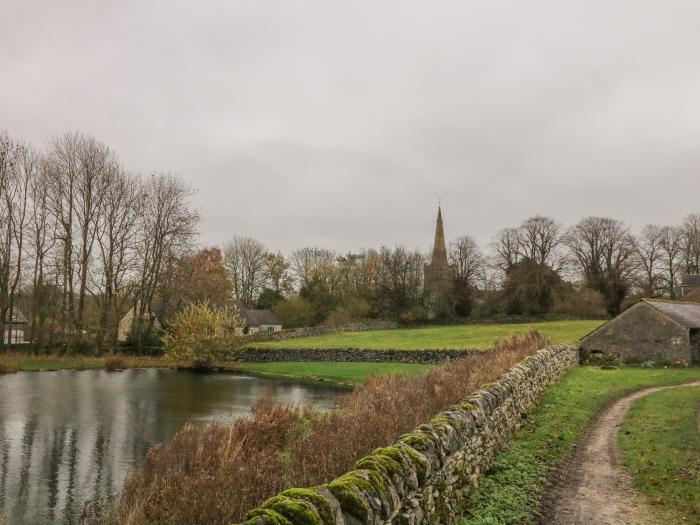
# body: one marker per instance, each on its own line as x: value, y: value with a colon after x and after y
x: 42, y: 238
x: 467, y: 260
x: 167, y: 228
x: 96, y: 165
x: 62, y: 166
x: 604, y: 252
x: 671, y: 250
x: 506, y: 248
x: 538, y: 239
x: 400, y: 279
x: 246, y: 261
x: 691, y: 243
x: 311, y: 263
x: 649, y: 252
x: 117, y: 237
x: 18, y: 165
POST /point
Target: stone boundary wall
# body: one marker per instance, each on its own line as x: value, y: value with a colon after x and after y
x: 308, y: 331
x: 426, y: 475
x: 426, y: 357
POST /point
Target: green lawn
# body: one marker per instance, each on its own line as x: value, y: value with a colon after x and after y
x: 512, y: 489
x: 661, y: 449
x: 452, y: 337
x: 344, y: 372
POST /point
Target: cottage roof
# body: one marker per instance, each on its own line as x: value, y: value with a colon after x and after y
x: 20, y: 319
x: 691, y: 280
x: 685, y: 314
x: 254, y: 317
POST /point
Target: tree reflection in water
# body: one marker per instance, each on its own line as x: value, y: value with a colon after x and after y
x: 67, y: 437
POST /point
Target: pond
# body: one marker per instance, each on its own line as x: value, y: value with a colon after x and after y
x: 70, y: 436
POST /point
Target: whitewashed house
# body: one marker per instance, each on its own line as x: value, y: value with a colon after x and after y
x: 15, y: 327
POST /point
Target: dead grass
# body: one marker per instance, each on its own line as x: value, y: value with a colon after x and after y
x: 213, y: 474
x: 8, y: 367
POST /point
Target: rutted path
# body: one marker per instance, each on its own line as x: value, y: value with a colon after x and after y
x: 594, y: 489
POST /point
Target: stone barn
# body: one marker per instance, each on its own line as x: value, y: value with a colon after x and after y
x: 657, y: 330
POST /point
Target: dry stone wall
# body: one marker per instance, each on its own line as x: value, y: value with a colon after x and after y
x: 426, y: 475
x: 320, y: 330
x: 428, y: 356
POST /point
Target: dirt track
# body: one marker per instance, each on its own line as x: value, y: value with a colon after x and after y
x: 594, y: 489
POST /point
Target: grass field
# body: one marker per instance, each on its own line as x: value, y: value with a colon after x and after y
x: 344, y: 372
x: 661, y: 450
x: 31, y: 363
x: 341, y: 372
x: 450, y: 337
x: 512, y: 489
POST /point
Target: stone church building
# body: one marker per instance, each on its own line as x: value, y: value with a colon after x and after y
x: 439, y: 277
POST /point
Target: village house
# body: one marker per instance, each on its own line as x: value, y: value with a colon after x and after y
x: 651, y: 329
x: 256, y: 321
x: 15, y: 327
x: 126, y: 324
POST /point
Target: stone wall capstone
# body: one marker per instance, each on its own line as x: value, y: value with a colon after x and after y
x: 426, y: 475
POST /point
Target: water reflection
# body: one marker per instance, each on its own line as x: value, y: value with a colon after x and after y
x: 66, y: 437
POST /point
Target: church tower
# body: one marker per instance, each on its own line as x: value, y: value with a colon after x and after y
x: 439, y: 277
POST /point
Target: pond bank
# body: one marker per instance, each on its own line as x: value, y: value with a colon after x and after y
x: 343, y: 373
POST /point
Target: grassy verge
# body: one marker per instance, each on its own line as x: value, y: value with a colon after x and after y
x: 344, y: 372
x: 340, y: 372
x: 448, y: 337
x: 513, y: 488
x: 661, y: 444
x: 32, y: 363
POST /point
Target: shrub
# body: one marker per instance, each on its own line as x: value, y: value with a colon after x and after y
x: 213, y: 473
x: 582, y: 302
x: 530, y: 288
x: 200, y: 334
x: 116, y: 362
x: 352, y: 311
x: 295, y: 312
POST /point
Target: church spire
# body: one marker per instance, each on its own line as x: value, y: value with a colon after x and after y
x: 439, y: 248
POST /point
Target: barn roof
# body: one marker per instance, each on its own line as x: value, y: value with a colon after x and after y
x: 685, y: 314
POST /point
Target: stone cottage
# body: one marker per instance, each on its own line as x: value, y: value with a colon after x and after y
x: 259, y: 320
x: 664, y: 331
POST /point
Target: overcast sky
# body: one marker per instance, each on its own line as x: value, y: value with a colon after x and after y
x: 342, y: 123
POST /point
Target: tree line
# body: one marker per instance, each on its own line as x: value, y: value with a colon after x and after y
x: 83, y: 241
x: 538, y: 267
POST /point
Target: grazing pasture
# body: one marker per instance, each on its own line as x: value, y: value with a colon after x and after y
x: 447, y: 337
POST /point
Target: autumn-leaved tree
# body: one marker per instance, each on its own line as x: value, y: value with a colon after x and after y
x: 200, y: 334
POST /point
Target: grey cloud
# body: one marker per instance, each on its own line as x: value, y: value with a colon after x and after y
x: 342, y: 123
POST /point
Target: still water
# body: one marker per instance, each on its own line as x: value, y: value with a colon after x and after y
x: 70, y: 436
